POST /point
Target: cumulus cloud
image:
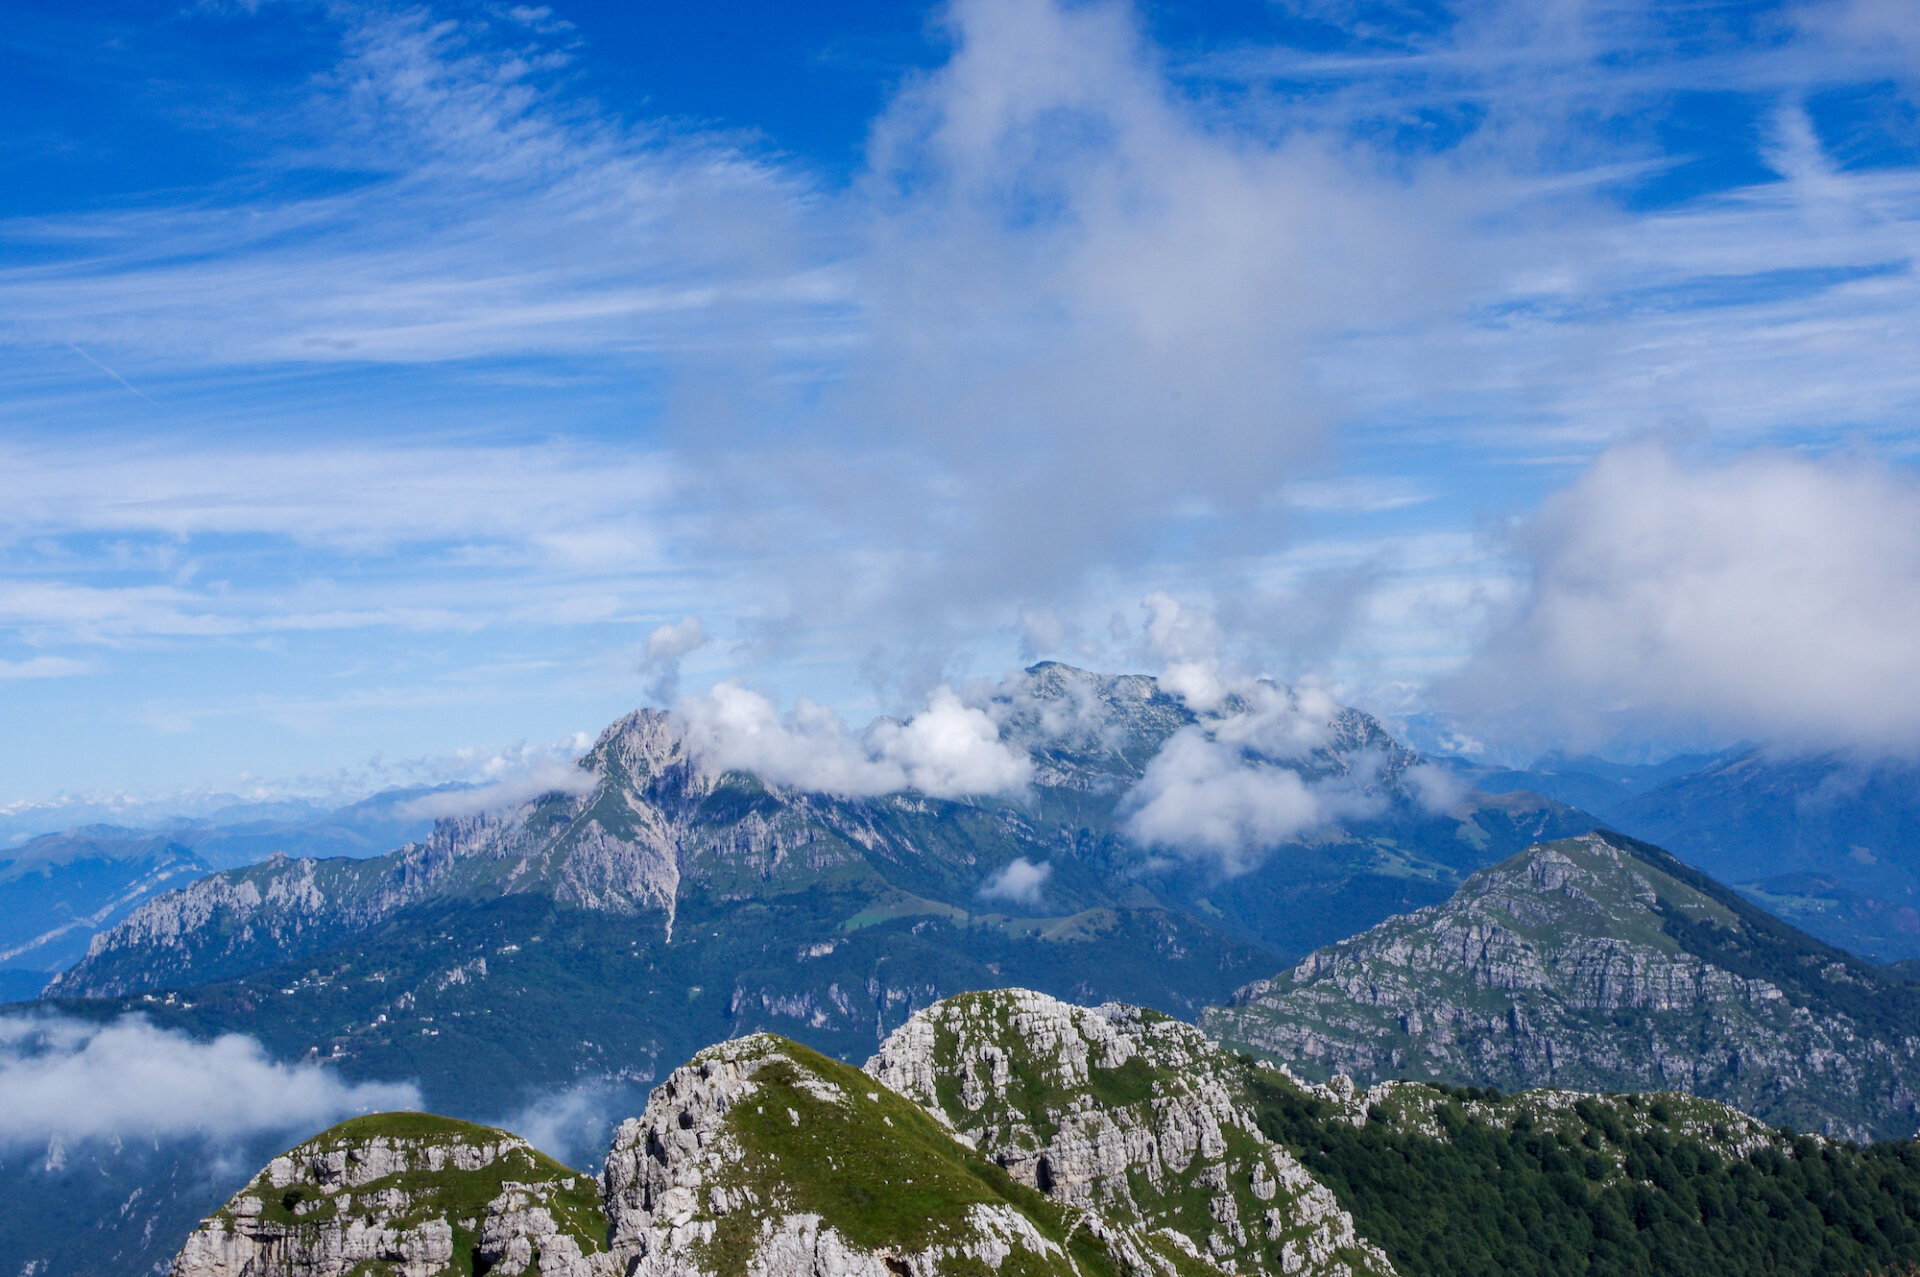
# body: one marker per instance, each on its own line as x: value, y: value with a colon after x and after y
x: 1774, y: 595
x: 1227, y: 789
x: 67, y: 1079
x: 1203, y: 800
x: 1186, y: 641
x: 547, y: 776
x: 950, y: 749
x: 665, y: 647
x: 1065, y: 264
x: 575, y: 1125
x: 1020, y: 882
x: 947, y: 750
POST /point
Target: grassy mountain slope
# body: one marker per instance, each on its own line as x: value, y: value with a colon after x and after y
x: 1007, y: 1133
x: 672, y: 905
x: 1601, y: 963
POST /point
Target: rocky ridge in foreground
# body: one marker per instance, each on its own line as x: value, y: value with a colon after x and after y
x: 1108, y: 1109
x: 763, y: 1156
x: 1009, y: 1133
x: 405, y: 1193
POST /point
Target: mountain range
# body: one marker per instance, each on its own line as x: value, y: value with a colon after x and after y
x: 718, y: 903
x: 609, y: 929
x: 1006, y: 1132
x: 1829, y: 840
x: 59, y: 889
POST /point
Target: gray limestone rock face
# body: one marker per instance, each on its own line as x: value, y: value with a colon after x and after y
x: 1597, y: 964
x: 1127, y: 1115
x: 724, y: 1173
x: 404, y: 1195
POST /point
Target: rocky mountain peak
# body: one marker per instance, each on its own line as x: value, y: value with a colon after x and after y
x: 761, y: 1156
x: 406, y: 1194
x: 1600, y: 963
x: 1129, y: 1114
x: 640, y: 748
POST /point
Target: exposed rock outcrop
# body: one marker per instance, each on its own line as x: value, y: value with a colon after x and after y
x: 1126, y: 1114
x: 405, y: 1195
x: 762, y: 1157
x: 1600, y: 964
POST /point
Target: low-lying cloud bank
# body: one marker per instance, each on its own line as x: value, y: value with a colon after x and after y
x: 67, y: 1079
x: 575, y: 1124
x: 548, y: 776
x: 1220, y: 790
x: 947, y: 750
x: 1020, y: 882
x: 1775, y: 596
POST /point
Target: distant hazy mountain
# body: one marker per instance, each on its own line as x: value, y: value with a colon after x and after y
x: 1830, y: 841
x: 715, y: 903
x: 245, y: 835
x: 57, y: 891
x: 1592, y: 784
x: 1601, y: 963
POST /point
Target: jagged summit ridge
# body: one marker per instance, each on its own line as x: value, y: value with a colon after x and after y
x: 659, y: 821
x: 1125, y: 1113
x: 760, y: 1156
x: 1032, y: 1138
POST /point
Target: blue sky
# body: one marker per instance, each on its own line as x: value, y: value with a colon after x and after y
x: 377, y: 380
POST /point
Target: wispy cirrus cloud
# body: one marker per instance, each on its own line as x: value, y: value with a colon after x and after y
x: 463, y: 364
x: 473, y: 213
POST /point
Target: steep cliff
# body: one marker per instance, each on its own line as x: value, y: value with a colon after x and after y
x: 1600, y: 963
x: 672, y: 904
x: 1008, y: 1133
x: 1126, y: 1113
x: 405, y: 1195
x: 761, y: 1156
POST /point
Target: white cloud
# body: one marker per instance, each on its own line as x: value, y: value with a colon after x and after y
x: 672, y: 641
x: 1773, y: 595
x: 1435, y: 789
x: 734, y: 728
x: 1186, y: 641
x: 67, y: 1079
x: 1224, y: 790
x: 1203, y: 800
x: 666, y: 646
x: 948, y: 750
x: 42, y: 667
x: 1277, y: 722
x: 1020, y: 882
x: 575, y: 1125
x: 543, y: 777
